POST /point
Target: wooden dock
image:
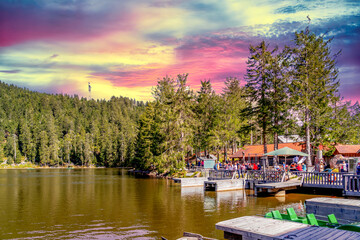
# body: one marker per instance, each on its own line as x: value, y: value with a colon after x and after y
x: 224, y: 185
x: 277, y: 186
x: 345, y: 210
x: 255, y: 227
x: 190, y: 182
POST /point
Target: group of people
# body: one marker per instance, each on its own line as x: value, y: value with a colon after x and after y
x: 242, y: 167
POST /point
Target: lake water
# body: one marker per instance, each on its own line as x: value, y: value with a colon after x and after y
x: 110, y: 204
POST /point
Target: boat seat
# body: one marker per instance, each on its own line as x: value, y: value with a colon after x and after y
x: 332, y: 219
x: 312, y: 219
x: 277, y: 215
x: 293, y: 216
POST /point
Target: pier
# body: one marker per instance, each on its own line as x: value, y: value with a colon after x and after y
x: 274, y: 181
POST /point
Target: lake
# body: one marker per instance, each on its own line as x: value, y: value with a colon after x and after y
x: 111, y: 204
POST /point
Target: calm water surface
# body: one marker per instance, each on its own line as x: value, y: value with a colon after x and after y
x: 110, y: 204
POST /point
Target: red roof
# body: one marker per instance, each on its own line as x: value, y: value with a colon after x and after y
x: 344, y: 149
x: 258, y: 150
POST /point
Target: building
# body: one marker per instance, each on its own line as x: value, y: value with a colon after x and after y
x: 253, y: 153
x: 347, y: 150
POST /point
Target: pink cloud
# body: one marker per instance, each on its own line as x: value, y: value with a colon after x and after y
x: 20, y: 24
x: 214, y: 58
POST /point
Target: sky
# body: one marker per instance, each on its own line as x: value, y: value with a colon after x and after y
x: 124, y: 47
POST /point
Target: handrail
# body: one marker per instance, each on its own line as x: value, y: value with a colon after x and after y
x: 221, y: 174
x: 268, y: 176
x: 323, y: 178
x: 351, y: 183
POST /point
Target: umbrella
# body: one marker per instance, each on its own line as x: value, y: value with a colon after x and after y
x: 286, y: 151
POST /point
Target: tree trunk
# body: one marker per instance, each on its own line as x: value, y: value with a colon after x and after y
x: 307, y: 132
x: 251, y: 137
x: 276, y: 147
x: 264, y: 136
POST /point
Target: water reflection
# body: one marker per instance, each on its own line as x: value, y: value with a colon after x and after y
x: 281, y: 199
x: 192, y: 192
x: 110, y: 204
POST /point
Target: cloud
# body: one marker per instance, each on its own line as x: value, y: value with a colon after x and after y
x: 292, y: 9
x: 45, y: 20
x: 10, y: 71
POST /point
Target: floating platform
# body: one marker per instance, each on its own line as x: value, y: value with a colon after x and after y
x: 277, y: 186
x: 255, y: 227
x: 345, y: 210
x: 191, y: 182
x: 224, y: 185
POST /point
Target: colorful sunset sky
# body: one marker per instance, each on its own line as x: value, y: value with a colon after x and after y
x: 123, y: 47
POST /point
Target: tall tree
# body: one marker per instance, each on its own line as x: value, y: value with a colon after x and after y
x: 258, y: 77
x: 205, y: 114
x: 315, y: 85
x: 174, y: 99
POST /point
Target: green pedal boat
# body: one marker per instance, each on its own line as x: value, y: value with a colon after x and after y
x: 311, y: 220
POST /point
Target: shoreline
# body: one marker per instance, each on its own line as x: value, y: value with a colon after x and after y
x: 33, y: 166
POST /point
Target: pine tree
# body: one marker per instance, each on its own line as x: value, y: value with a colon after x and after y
x: 235, y: 103
x: 205, y: 113
x: 315, y: 85
x: 258, y: 77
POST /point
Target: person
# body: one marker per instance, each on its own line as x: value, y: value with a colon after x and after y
x: 303, y: 167
x: 255, y: 167
x: 216, y: 166
x: 358, y: 169
x: 298, y: 167
x: 292, y: 167
x: 277, y: 168
x: 317, y: 165
x: 343, y: 167
x: 259, y: 166
x: 322, y: 166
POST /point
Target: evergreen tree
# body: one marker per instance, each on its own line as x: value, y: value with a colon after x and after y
x: 315, y: 85
x: 258, y: 78
x: 205, y: 114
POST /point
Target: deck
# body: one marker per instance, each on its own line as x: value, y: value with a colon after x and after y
x: 255, y: 227
x: 277, y: 186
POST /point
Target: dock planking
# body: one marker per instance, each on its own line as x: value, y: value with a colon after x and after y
x: 255, y: 227
x: 277, y: 186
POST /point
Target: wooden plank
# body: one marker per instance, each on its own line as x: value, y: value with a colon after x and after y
x: 320, y: 233
x: 259, y: 227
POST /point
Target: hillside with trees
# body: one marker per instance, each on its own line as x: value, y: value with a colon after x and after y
x: 55, y: 130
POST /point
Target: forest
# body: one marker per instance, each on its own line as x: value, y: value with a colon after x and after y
x: 292, y: 90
